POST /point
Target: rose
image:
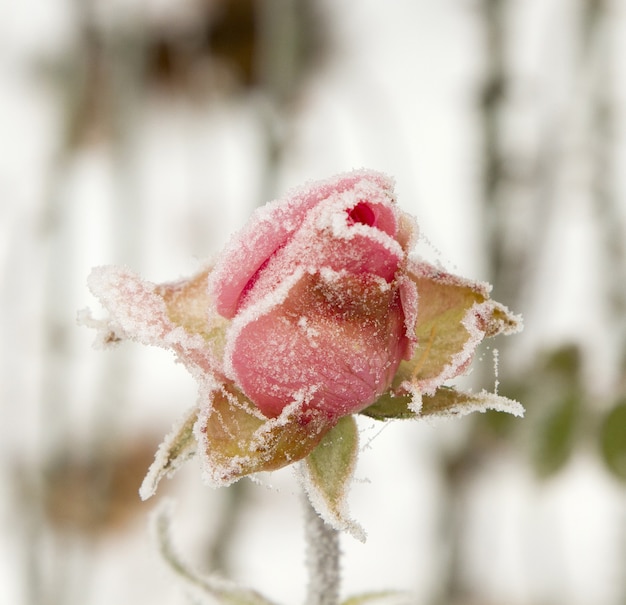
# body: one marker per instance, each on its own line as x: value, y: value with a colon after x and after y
x: 315, y: 287
x: 313, y: 312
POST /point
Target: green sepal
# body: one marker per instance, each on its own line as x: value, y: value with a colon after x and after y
x: 613, y: 440
x: 237, y: 440
x: 445, y: 402
x: 328, y: 471
x: 555, y: 438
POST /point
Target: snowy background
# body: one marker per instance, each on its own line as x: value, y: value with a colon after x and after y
x: 144, y: 132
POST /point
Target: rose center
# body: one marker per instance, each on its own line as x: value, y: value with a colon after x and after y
x: 362, y: 213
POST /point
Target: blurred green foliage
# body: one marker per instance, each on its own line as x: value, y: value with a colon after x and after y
x: 562, y: 416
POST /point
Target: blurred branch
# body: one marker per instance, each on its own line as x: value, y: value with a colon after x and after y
x: 492, y: 104
x: 598, y: 45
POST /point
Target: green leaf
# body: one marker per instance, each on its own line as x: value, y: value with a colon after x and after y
x: 441, y: 334
x: 178, y: 447
x: 187, y: 303
x: 327, y: 473
x: 554, y: 438
x: 613, y: 440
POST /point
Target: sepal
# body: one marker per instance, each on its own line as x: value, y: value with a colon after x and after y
x: 453, y: 316
x: 327, y: 473
x: 236, y: 440
x: 446, y: 402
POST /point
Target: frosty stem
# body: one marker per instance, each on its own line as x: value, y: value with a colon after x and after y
x: 322, y: 559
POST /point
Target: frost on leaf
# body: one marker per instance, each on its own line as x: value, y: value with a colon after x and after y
x: 327, y: 473
x: 177, y: 448
x: 446, y: 402
x: 237, y: 440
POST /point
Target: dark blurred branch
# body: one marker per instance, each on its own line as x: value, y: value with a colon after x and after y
x: 493, y: 96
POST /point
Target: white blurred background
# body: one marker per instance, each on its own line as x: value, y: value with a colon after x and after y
x: 144, y: 132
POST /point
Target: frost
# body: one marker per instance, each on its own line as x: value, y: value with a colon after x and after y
x: 496, y: 361
x: 108, y: 332
x: 132, y: 302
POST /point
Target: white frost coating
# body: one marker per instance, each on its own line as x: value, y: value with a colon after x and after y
x: 108, y: 332
x: 338, y: 518
x: 438, y: 273
x: 330, y: 216
x: 416, y: 399
x: 496, y: 360
x: 311, y: 332
x: 132, y: 303
x: 481, y: 402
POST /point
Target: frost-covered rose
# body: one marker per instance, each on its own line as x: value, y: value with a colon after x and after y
x: 313, y: 312
x: 316, y: 289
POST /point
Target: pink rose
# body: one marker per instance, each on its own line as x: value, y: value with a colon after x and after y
x: 315, y: 289
x: 313, y: 312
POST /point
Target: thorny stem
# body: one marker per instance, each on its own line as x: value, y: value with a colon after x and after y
x: 322, y: 559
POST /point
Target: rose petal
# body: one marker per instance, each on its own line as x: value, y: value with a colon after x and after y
x: 333, y: 339
x: 269, y: 228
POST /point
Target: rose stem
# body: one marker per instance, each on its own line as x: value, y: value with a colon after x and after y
x: 322, y: 559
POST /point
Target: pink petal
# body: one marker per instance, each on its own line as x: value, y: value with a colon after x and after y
x: 333, y: 344
x: 268, y: 230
